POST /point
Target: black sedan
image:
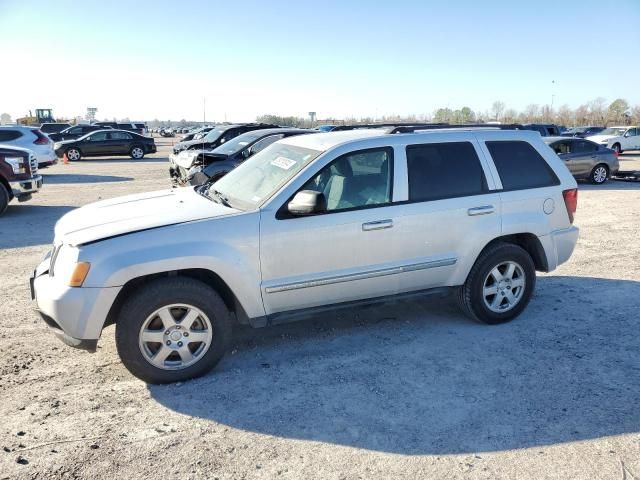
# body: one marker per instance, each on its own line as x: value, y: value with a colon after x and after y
x: 106, y: 142
x: 76, y: 131
x: 219, y: 135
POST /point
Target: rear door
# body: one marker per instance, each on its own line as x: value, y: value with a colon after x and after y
x: 631, y: 140
x: 586, y: 157
x: 120, y: 142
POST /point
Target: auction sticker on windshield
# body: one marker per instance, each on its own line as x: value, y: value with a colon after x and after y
x: 283, y: 162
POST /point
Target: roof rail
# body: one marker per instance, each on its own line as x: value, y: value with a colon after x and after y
x: 383, y: 125
x: 443, y: 126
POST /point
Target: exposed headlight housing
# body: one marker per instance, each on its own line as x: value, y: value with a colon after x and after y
x: 18, y: 164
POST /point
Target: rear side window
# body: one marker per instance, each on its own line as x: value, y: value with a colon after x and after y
x: 584, y: 146
x: 8, y: 135
x: 120, y: 136
x: 444, y: 170
x: 520, y: 166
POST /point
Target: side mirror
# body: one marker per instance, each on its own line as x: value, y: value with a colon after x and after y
x: 246, y: 153
x: 307, y: 202
x: 627, y: 134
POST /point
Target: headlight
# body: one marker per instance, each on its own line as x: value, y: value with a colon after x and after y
x: 17, y: 164
x: 56, y: 146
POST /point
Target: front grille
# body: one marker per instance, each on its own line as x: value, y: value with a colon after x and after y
x: 33, y: 164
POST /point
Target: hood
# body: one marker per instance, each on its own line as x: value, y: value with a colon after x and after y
x: 185, y: 145
x: 65, y: 142
x: 601, y: 138
x: 133, y: 213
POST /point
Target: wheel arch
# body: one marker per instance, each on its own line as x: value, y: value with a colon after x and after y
x: 530, y: 243
x: 206, y: 276
x: 6, y: 185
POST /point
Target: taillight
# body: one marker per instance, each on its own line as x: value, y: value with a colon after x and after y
x: 42, y: 139
x: 571, y: 202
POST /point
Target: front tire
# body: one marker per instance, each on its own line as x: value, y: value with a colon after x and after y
x: 73, y: 154
x: 599, y: 174
x: 4, y: 198
x: 499, y: 285
x: 172, y: 329
x: 137, y: 152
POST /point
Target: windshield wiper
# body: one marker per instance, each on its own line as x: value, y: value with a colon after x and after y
x: 219, y: 197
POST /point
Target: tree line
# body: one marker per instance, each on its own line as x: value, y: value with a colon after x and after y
x: 597, y: 112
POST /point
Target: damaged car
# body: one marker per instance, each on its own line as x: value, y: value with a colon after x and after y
x: 195, y: 167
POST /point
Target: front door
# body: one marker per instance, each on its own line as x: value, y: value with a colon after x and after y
x: 95, y: 144
x: 350, y: 252
x: 584, y: 157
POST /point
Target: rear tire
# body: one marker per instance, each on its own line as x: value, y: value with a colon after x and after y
x: 599, y: 174
x: 137, y: 152
x: 159, y: 311
x: 4, y: 198
x: 499, y: 285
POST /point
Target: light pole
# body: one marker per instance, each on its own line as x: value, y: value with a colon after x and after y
x: 553, y: 84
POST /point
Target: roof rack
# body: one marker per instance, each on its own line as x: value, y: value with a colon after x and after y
x: 383, y: 125
x: 443, y: 126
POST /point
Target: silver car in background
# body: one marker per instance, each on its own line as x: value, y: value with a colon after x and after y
x: 585, y: 159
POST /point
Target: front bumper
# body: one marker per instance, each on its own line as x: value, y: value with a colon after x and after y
x: 24, y: 188
x: 75, y: 314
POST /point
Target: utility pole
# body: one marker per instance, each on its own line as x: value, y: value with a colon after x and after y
x: 204, y: 111
x: 553, y: 84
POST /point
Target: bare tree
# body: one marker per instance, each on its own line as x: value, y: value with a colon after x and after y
x: 598, y: 111
x: 565, y: 116
x: 496, y: 110
x: 5, y: 118
x: 510, y: 116
x: 531, y: 113
x: 635, y: 114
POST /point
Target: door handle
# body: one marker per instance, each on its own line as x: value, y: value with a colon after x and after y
x: 377, y: 225
x: 483, y: 210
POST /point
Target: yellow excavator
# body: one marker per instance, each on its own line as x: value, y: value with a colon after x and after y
x: 43, y: 115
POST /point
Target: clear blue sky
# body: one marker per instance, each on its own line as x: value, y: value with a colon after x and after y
x: 145, y: 60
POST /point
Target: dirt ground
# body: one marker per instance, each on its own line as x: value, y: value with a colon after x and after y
x: 410, y: 390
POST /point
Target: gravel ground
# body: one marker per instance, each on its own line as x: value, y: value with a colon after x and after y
x: 409, y: 390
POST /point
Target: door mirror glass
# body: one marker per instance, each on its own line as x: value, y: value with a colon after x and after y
x: 307, y: 202
x: 246, y: 153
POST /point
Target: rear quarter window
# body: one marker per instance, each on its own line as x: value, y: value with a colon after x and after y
x: 444, y: 170
x: 8, y: 135
x: 520, y: 166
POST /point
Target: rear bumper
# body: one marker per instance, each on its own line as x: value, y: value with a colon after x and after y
x: 24, y: 188
x: 560, y: 246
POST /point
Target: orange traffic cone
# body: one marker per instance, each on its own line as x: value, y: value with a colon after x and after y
x: 65, y: 159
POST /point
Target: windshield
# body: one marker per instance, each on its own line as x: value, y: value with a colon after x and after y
x: 613, y: 131
x: 254, y: 181
x: 238, y: 143
x: 214, y: 134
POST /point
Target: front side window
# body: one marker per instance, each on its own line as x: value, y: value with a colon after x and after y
x: 444, y: 170
x: 257, y: 179
x: 562, y: 148
x: 76, y: 131
x: 633, y: 132
x: 98, y: 137
x: 356, y: 180
x: 264, y: 143
x: 520, y: 166
x: 616, y: 131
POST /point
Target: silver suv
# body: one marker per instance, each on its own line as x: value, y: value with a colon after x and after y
x: 310, y: 222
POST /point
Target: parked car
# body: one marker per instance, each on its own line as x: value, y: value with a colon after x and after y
x: 582, y: 132
x: 618, y: 139
x: 218, y: 135
x: 76, y: 131
x: 194, y: 167
x: 310, y: 224
x: 53, y: 127
x: 196, y: 134
x: 19, y: 177
x: 167, y: 132
x: 585, y: 160
x: 544, y: 129
x: 106, y: 142
x: 32, y: 139
x: 139, y: 128
x: 326, y: 128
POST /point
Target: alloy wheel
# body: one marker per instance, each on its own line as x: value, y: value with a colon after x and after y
x: 73, y: 154
x: 137, y: 153
x: 503, y: 287
x: 600, y: 174
x: 175, y: 336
